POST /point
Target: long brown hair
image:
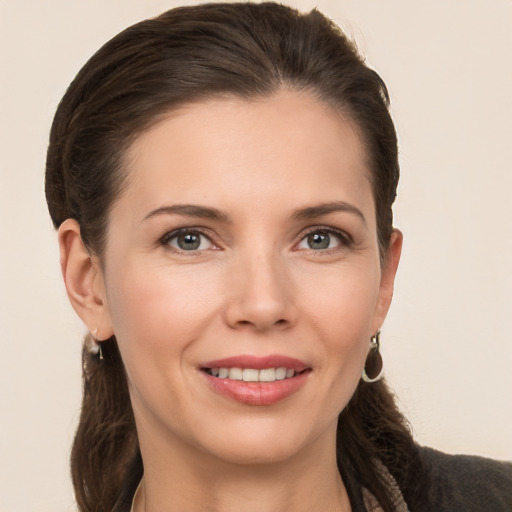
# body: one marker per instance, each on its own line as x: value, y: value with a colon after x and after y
x: 186, y: 55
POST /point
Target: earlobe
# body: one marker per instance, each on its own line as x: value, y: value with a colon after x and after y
x: 389, y: 268
x: 83, y: 279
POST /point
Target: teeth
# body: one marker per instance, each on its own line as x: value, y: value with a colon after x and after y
x: 267, y: 375
x: 253, y: 375
x: 250, y: 375
x: 280, y: 373
x: 235, y: 374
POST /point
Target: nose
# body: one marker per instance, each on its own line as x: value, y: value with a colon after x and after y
x: 261, y: 294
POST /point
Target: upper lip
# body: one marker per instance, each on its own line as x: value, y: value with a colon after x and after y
x: 258, y: 362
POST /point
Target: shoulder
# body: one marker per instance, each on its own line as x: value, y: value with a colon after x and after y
x: 467, y: 483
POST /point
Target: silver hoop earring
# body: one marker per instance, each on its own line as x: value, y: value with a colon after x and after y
x: 373, y: 369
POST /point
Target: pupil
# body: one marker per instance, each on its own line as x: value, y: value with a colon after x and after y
x: 319, y: 240
x: 189, y: 242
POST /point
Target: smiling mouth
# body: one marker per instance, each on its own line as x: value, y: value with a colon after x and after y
x: 256, y: 380
x: 253, y: 374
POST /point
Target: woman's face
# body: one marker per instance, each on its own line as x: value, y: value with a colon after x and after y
x: 246, y: 240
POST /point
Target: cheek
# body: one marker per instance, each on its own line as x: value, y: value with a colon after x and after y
x: 340, y: 309
x: 158, y: 311
x: 343, y: 299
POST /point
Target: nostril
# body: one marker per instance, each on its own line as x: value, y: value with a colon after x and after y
x: 260, y: 325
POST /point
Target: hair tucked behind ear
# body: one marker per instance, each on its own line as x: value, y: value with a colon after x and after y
x: 186, y: 55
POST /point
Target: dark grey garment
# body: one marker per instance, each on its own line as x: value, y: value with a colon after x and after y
x: 464, y: 483
x: 455, y: 483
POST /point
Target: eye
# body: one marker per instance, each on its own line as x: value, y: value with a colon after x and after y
x: 187, y: 240
x: 323, y: 239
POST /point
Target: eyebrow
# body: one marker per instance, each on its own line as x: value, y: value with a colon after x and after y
x: 206, y: 212
x: 326, y: 209
x: 190, y: 210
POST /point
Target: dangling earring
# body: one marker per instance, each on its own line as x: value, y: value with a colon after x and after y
x: 95, y: 347
x: 373, y: 369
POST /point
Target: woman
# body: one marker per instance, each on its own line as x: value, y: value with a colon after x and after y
x: 222, y: 179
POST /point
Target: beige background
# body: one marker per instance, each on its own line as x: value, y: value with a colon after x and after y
x: 448, y: 339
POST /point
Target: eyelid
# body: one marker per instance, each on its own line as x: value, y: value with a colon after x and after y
x: 168, y: 236
x: 344, y: 237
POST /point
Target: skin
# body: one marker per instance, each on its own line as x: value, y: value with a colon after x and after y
x: 256, y: 286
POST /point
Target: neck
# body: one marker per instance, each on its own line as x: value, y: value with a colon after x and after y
x: 197, y: 482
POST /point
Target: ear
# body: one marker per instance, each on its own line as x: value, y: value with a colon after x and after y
x: 84, y: 281
x: 387, y: 281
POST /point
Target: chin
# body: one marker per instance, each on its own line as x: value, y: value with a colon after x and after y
x: 248, y: 454
x: 262, y: 444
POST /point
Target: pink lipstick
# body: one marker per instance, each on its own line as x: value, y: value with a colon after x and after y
x: 256, y: 380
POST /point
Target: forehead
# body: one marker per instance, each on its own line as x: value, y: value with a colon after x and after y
x: 288, y: 146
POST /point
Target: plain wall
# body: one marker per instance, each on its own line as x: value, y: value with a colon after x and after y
x: 447, y: 343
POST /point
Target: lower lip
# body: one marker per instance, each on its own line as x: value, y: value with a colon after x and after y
x: 257, y: 393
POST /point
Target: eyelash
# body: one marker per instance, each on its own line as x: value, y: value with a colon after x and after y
x: 185, y: 231
x: 345, y: 239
